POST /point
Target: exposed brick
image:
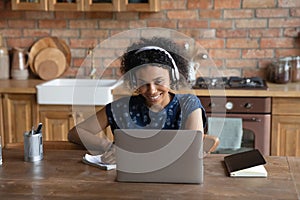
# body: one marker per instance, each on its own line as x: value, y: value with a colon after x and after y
x: 221, y: 24
x: 259, y: 3
x: 192, y: 23
x: 66, y: 33
x: 99, y: 15
x: 291, y: 32
x: 207, y: 33
x: 242, y: 43
x: 182, y: 14
x: 216, y: 14
x: 257, y: 53
x: 250, y: 72
x: 69, y: 15
x: 153, y: 16
x: 238, y: 14
x: 7, y: 14
x: 289, y: 22
x: 127, y: 16
x: 94, y: 33
x: 20, y: 42
x: 52, y: 24
x: 211, y: 43
x: 265, y: 13
x: 174, y: 4
x: 225, y: 53
x: 288, y: 3
x: 13, y: 33
x: 275, y: 32
x: 251, y: 23
x: 36, y: 32
x: 223, y: 4
x: 83, y: 24
x: 159, y: 23
x: 240, y: 63
x: 295, y: 12
x: 21, y: 23
x: 203, y: 4
x: 137, y: 24
x: 113, y: 24
x: 237, y: 33
x: 286, y: 52
x: 82, y: 43
x: 3, y: 23
x: 37, y: 15
x: 277, y: 42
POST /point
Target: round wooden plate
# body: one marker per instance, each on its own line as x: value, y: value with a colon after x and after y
x: 45, y: 43
x: 50, y: 63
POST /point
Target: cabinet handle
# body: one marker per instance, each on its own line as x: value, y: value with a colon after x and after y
x: 253, y: 119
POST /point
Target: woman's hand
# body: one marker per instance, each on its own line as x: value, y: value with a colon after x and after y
x: 109, y: 156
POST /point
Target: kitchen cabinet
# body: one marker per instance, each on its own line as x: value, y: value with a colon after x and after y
x: 285, y: 127
x: 59, y: 119
x: 29, y: 4
x: 88, y: 5
x: 19, y: 115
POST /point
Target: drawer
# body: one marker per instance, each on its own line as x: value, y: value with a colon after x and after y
x: 288, y: 106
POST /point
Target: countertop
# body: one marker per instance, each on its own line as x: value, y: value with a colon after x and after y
x: 62, y: 175
x: 274, y: 90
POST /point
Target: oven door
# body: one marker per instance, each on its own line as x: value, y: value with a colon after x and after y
x: 256, y: 132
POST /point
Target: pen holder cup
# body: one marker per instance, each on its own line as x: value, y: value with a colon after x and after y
x: 33, y: 146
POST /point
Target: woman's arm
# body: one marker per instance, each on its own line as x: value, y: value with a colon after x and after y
x: 194, y: 120
x: 85, y: 133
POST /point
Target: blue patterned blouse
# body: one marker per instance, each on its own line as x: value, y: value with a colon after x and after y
x: 132, y: 113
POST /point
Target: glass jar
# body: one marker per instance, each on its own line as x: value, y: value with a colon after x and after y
x: 280, y: 71
x: 296, y: 69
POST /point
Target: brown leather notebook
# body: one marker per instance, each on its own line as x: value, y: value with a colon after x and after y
x: 246, y: 164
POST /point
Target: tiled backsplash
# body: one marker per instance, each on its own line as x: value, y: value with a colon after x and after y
x: 241, y: 36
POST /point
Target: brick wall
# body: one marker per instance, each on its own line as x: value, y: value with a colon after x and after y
x: 241, y: 36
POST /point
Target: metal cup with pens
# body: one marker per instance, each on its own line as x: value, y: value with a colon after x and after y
x: 33, y: 144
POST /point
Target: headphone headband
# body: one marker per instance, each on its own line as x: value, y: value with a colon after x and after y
x: 146, y: 48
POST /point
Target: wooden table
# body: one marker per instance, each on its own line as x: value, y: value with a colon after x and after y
x: 62, y: 175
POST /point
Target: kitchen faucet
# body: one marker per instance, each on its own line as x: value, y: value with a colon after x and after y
x: 93, y: 71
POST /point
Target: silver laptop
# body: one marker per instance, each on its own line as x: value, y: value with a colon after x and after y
x: 164, y: 156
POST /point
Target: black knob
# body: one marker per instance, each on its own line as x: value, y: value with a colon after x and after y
x: 248, y: 105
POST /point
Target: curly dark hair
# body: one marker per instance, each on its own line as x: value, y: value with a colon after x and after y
x: 134, y: 58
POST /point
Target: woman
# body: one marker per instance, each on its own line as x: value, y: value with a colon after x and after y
x: 154, y: 68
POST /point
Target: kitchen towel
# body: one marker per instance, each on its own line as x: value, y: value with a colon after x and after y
x: 97, y: 162
x: 228, y: 130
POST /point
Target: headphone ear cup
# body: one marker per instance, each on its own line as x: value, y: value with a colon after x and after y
x: 132, y: 79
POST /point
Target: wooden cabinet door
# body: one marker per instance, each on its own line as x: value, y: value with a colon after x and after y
x: 57, y: 121
x: 285, y: 135
x: 19, y: 115
x: 101, y: 5
x: 26, y: 5
x: 60, y: 5
x: 140, y: 6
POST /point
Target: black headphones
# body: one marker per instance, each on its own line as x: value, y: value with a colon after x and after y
x: 174, y: 73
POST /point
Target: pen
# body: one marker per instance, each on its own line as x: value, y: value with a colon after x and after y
x: 39, y: 128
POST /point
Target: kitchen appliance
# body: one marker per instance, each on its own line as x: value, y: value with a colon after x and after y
x: 255, y: 112
x: 232, y: 82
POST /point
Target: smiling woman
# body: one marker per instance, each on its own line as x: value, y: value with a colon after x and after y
x: 154, y: 69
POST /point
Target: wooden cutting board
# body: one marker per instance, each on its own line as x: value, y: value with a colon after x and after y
x: 50, y: 63
x: 45, y: 43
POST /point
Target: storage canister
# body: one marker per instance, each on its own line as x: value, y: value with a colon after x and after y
x: 4, y: 60
x: 296, y: 69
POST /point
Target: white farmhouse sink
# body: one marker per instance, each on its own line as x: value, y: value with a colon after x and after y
x: 77, y: 91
